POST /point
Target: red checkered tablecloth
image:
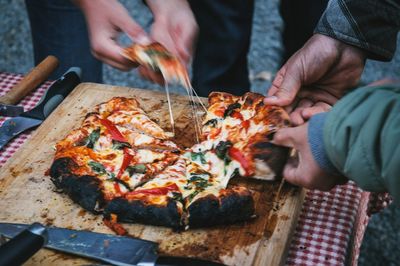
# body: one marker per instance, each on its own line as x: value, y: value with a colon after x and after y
x: 331, y: 224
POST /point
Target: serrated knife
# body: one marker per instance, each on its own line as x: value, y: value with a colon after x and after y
x: 116, y: 250
x: 55, y: 94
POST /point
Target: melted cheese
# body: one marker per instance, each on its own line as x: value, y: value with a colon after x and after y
x: 142, y: 139
x: 148, y: 156
x: 133, y: 181
x: 247, y: 113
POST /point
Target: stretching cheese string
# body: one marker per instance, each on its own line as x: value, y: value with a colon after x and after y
x: 183, y: 78
x: 171, y: 115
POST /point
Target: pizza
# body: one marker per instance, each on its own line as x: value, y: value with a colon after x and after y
x: 123, y: 165
x: 157, y: 58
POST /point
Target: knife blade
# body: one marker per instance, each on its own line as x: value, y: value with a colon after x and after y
x: 49, y: 101
x: 10, y: 110
x: 30, y: 82
x: 117, y: 250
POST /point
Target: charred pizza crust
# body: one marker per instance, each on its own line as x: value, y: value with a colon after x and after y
x: 139, y: 211
x: 230, y: 206
x: 84, y: 190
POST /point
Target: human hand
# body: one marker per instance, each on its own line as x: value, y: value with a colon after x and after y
x: 303, y: 170
x: 105, y: 20
x: 175, y: 28
x: 318, y: 74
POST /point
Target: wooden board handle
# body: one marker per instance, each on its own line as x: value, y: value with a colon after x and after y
x: 33, y: 79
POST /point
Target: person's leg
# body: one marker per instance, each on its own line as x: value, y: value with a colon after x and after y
x: 220, y: 61
x: 58, y: 28
x: 300, y: 18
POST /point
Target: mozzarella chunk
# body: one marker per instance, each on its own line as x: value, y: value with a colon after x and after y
x: 148, y: 156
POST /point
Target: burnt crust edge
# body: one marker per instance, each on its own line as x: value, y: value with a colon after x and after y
x: 228, y: 209
x: 136, y: 211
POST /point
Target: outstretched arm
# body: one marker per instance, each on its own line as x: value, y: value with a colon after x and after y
x: 358, y: 139
x: 332, y: 61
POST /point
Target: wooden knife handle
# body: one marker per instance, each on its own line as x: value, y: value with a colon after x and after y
x: 33, y: 79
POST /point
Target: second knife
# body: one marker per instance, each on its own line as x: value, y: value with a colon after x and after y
x: 50, y: 100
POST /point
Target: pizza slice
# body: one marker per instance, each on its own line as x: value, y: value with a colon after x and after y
x: 208, y: 199
x: 246, y: 125
x: 156, y: 57
x: 157, y: 202
x: 111, y: 154
x: 183, y: 196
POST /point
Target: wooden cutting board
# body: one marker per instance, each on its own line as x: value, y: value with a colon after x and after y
x: 27, y: 195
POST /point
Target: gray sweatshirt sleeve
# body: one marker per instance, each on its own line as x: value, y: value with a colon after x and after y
x: 371, y: 25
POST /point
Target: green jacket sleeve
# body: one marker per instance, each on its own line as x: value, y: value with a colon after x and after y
x: 361, y: 136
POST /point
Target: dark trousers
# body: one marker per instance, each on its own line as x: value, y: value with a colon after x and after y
x: 300, y: 18
x: 58, y: 28
x: 220, y: 61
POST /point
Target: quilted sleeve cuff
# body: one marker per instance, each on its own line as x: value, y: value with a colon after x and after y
x: 316, y: 142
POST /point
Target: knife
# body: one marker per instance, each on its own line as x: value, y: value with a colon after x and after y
x: 49, y: 101
x: 33, y: 79
x: 116, y: 250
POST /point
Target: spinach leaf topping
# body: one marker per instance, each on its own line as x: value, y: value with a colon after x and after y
x: 100, y: 169
x: 138, y: 169
x: 198, y: 156
x: 119, y: 145
x: 90, y: 140
x: 230, y: 109
x: 198, y: 181
x: 177, y: 196
x: 222, y: 148
x: 93, y: 138
x: 212, y: 122
x: 97, y: 167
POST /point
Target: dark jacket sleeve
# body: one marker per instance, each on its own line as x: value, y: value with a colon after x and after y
x: 371, y: 25
x: 361, y: 138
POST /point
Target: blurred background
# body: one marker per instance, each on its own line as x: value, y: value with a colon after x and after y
x: 381, y: 245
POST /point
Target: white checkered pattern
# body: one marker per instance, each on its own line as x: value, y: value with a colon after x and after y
x: 7, y: 81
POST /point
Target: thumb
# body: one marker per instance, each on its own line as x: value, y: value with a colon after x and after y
x: 185, y: 36
x: 134, y: 31
x: 291, y: 172
x: 284, y: 137
x: 285, y: 85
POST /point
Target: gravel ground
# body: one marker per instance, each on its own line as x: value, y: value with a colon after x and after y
x: 382, y: 239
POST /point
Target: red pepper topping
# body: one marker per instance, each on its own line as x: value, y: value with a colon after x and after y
x: 237, y: 155
x: 116, y: 135
x: 125, y: 162
x: 155, y: 191
x: 219, y: 112
x: 245, y: 124
x: 237, y: 115
x: 113, y: 130
x: 114, y: 225
x: 117, y: 188
x: 214, y: 133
